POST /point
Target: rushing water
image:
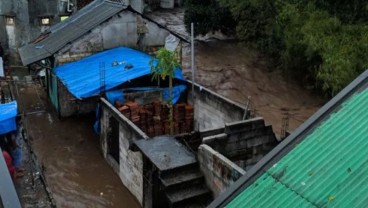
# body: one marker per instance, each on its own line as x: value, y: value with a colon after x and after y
x: 68, y: 150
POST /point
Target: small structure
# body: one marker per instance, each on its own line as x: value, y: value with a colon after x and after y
x: 74, y: 88
x: 323, y: 163
x: 172, y: 171
x: 99, y: 26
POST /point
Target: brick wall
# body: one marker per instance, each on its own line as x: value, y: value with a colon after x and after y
x: 219, y: 171
x: 226, y: 153
x: 244, y: 142
x: 69, y: 105
x: 130, y: 167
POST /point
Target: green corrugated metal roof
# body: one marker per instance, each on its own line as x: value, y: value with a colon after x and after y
x: 329, y: 168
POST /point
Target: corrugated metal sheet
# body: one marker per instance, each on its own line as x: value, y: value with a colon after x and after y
x: 329, y: 168
x: 69, y: 30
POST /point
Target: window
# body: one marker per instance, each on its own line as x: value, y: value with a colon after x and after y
x: 45, y: 21
x: 9, y: 20
x: 62, y: 18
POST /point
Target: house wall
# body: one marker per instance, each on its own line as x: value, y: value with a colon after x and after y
x: 124, y: 29
x: 14, y: 36
x: 219, y: 171
x: 130, y: 167
x: 244, y: 142
x: 228, y: 152
x: 50, y: 8
x: 212, y: 110
x: 69, y: 105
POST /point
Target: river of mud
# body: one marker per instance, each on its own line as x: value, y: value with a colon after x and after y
x: 237, y: 72
x: 69, y: 154
x: 68, y: 149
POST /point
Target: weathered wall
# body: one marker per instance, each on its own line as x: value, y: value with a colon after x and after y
x: 219, y: 171
x: 19, y: 10
x: 226, y: 153
x: 131, y: 163
x: 69, y: 105
x: 244, y: 142
x: 212, y: 110
x: 125, y: 29
x: 50, y: 8
x: 137, y: 5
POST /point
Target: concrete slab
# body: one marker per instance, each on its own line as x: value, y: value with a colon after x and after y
x: 166, y: 152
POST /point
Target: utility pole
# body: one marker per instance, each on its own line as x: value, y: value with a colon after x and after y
x: 192, y: 53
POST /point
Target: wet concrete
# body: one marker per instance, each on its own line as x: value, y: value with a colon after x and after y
x: 69, y: 154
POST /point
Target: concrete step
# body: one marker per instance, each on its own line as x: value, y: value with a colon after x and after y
x: 196, y: 195
x: 187, y: 176
x: 180, y: 170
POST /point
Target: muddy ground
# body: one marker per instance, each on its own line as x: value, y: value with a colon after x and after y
x: 237, y: 72
x: 69, y: 156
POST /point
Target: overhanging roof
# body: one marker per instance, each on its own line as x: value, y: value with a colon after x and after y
x: 69, y: 30
x: 104, y: 71
x: 321, y: 164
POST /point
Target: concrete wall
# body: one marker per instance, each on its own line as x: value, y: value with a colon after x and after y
x: 43, y: 8
x: 69, y: 105
x: 244, y: 142
x: 212, y: 110
x: 220, y: 172
x: 137, y: 5
x: 19, y: 10
x: 226, y: 153
x: 130, y: 168
x: 125, y: 29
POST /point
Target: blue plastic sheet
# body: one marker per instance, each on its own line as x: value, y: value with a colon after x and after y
x: 104, y: 71
x: 8, y: 112
x: 113, y: 96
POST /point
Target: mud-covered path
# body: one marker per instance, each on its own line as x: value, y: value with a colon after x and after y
x: 68, y: 150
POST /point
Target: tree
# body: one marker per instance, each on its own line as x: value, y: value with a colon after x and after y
x: 164, y: 66
x: 208, y: 16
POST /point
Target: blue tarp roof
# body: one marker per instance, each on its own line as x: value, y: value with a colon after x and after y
x: 8, y: 112
x: 83, y: 77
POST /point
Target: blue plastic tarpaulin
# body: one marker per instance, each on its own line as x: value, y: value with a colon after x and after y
x: 113, y: 96
x: 104, y: 71
x: 8, y: 112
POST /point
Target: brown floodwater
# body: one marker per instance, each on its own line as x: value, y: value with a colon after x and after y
x: 68, y: 150
x: 238, y: 72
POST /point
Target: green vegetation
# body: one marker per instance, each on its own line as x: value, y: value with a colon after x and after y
x: 163, y: 67
x: 208, y: 15
x: 321, y: 42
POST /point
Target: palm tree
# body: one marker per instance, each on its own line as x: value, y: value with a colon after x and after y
x: 161, y: 67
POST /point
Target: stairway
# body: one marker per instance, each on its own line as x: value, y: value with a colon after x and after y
x: 185, y: 187
x: 177, y: 179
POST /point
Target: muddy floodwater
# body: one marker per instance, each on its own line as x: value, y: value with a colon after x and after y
x: 68, y: 150
x: 237, y: 72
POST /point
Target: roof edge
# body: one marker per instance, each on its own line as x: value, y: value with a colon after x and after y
x: 286, y: 145
x: 158, y: 24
